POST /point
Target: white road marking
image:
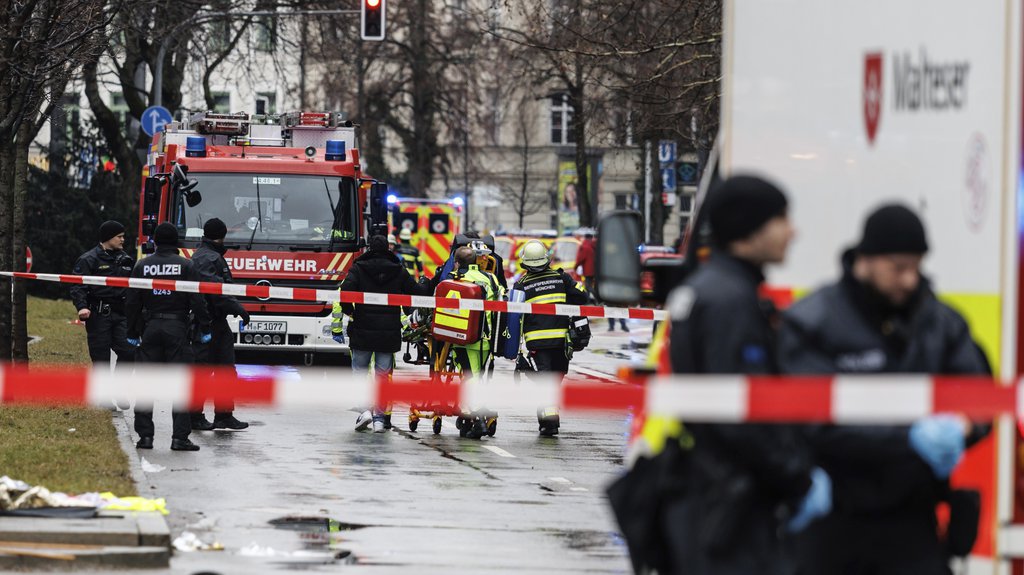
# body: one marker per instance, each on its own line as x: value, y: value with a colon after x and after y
x: 498, y: 451
x: 559, y: 480
x: 578, y: 489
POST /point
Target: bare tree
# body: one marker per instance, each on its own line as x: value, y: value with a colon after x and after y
x: 43, y: 43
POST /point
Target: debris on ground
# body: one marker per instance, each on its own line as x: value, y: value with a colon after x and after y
x: 189, y: 542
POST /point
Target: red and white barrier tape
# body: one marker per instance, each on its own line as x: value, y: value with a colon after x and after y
x: 731, y: 399
x: 304, y: 294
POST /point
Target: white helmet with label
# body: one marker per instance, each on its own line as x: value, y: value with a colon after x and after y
x: 534, y: 255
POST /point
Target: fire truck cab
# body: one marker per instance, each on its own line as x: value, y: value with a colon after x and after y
x: 296, y: 204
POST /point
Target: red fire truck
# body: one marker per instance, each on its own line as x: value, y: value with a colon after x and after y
x: 296, y: 203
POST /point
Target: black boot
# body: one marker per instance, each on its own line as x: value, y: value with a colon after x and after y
x: 144, y: 443
x: 228, y: 421
x: 548, y: 425
x: 183, y: 445
x: 200, y: 423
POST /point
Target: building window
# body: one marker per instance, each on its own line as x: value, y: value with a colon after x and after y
x: 119, y: 107
x: 625, y: 201
x: 222, y: 102
x: 266, y: 103
x: 266, y: 34
x: 561, y: 120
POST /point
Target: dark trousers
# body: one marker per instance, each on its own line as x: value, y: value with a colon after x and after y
x: 551, y: 360
x: 163, y: 341
x: 105, y: 333
x: 902, y: 543
x: 220, y: 351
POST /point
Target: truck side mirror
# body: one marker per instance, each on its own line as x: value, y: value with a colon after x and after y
x: 151, y: 195
x: 346, y: 220
x: 378, y: 208
x: 618, y: 261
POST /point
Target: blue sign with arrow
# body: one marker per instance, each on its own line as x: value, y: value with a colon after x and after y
x: 154, y: 119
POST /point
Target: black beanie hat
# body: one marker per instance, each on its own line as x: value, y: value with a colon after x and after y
x: 741, y: 205
x: 893, y: 229
x: 109, y: 229
x: 379, y: 243
x: 166, y: 235
x: 215, y: 229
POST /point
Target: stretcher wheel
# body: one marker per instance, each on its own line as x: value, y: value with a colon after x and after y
x: 437, y: 425
x: 413, y: 424
x: 492, y: 427
x: 407, y: 357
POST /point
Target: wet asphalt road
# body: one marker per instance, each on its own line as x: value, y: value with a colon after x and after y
x: 400, y: 501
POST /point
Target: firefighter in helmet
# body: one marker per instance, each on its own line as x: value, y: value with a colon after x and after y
x: 547, y: 336
x: 410, y: 254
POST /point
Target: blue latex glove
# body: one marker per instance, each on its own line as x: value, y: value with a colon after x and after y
x: 205, y: 338
x: 939, y: 440
x: 134, y: 341
x: 338, y: 338
x: 817, y: 502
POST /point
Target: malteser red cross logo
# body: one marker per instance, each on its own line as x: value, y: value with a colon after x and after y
x: 872, y: 93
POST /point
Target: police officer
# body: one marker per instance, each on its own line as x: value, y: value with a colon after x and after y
x: 744, y: 484
x: 410, y: 254
x: 158, y: 323
x: 882, y: 317
x: 473, y: 357
x: 102, y: 307
x: 547, y: 336
x: 209, y: 262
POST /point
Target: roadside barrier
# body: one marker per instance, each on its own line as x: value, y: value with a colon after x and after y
x: 303, y: 294
x: 728, y: 399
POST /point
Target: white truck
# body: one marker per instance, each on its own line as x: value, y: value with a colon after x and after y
x: 848, y: 105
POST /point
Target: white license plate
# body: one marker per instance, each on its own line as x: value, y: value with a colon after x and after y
x: 267, y: 326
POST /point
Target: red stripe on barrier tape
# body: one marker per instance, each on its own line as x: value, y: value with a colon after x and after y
x: 44, y: 385
x: 211, y: 288
x: 305, y: 294
x: 971, y: 397
x: 603, y: 397
x: 63, y: 278
x: 222, y: 385
x: 419, y: 392
x: 796, y: 399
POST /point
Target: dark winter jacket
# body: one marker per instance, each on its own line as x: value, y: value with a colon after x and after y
x: 212, y: 267
x: 165, y: 264
x: 100, y: 262
x: 743, y: 480
x: 879, y: 483
x: 377, y: 327
x: 846, y: 328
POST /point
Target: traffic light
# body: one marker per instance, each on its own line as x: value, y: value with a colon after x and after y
x: 372, y: 12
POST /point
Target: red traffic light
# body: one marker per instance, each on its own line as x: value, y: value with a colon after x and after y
x: 372, y: 19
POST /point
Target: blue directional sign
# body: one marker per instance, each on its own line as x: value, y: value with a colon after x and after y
x: 154, y: 119
x: 667, y: 152
x: 668, y: 179
x: 687, y: 172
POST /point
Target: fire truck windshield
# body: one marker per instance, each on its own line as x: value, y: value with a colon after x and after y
x: 295, y: 210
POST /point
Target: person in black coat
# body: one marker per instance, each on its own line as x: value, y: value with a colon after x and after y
x: 881, y: 317
x: 375, y: 331
x: 743, y: 485
x: 158, y: 324
x: 102, y: 307
x: 212, y: 267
